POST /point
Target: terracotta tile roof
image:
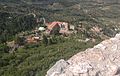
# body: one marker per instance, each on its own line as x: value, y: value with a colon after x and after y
x: 51, y: 25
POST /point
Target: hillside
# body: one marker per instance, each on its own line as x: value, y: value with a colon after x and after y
x: 51, y: 1
x: 19, y: 17
x: 101, y: 60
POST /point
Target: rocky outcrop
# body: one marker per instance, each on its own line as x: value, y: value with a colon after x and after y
x: 101, y: 60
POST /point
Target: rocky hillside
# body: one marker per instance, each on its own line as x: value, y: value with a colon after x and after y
x: 101, y: 60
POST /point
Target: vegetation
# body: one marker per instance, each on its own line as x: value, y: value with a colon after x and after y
x: 11, y: 24
x: 17, y: 16
x: 35, y: 60
x: 3, y: 49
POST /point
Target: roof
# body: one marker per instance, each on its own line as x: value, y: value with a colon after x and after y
x: 41, y: 28
x: 51, y: 25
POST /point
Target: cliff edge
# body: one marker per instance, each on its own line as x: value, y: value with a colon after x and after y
x: 101, y: 60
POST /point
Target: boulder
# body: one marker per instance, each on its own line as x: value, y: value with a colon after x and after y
x: 101, y: 60
x: 58, y: 68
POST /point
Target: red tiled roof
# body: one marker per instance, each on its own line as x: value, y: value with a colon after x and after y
x: 51, y: 25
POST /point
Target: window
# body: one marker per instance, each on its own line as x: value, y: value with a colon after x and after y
x: 62, y: 26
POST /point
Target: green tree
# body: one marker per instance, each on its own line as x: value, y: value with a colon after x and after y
x: 4, y: 48
x: 45, y: 40
x: 50, y: 41
x: 20, y: 40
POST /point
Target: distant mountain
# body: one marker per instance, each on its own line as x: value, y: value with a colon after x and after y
x: 106, y: 1
x: 8, y: 1
x: 101, y: 1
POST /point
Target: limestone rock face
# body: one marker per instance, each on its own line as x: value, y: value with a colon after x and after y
x: 101, y: 60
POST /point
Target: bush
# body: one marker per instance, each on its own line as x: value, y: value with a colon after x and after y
x: 20, y: 40
x: 28, y: 46
x: 4, y: 48
x: 45, y: 40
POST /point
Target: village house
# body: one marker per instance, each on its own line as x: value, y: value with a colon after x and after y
x: 72, y: 27
x: 57, y: 27
x: 96, y: 29
x: 32, y: 40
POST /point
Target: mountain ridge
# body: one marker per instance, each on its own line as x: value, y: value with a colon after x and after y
x: 99, y: 1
